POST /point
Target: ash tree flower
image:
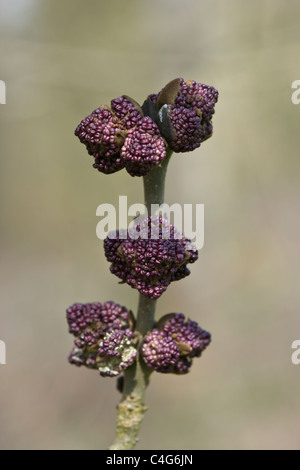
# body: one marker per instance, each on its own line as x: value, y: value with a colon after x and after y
x: 136, y: 138
x: 153, y: 255
x: 116, y: 352
x: 103, y: 134
x: 103, y: 337
x: 183, y: 111
x: 172, y: 345
x: 149, y: 255
x: 143, y: 148
x: 122, y: 137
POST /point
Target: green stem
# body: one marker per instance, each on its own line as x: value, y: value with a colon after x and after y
x: 154, y: 183
x: 131, y: 409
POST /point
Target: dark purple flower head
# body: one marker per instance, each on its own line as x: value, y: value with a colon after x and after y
x: 101, y: 317
x: 103, y: 134
x: 143, y: 148
x: 79, y: 316
x: 187, y: 129
x: 197, y: 96
x: 160, y: 352
x: 183, y: 113
x: 128, y: 110
x: 172, y: 345
x: 121, y: 136
x: 90, y: 324
x: 152, y: 256
x: 116, y: 352
x: 129, y: 136
x: 188, y: 336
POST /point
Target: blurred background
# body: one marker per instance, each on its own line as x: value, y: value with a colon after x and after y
x: 61, y: 60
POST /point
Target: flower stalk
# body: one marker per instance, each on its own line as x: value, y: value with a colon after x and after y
x: 149, y: 255
x: 131, y: 409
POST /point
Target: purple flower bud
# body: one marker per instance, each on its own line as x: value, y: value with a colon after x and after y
x: 134, y: 137
x: 116, y: 352
x: 103, y: 134
x: 91, y: 323
x: 171, y: 346
x: 79, y: 316
x: 197, y: 96
x: 160, y: 352
x: 183, y: 113
x: 128, y: 110
x: 200, y: 101
x: 152, y: 256
x: 143, y: 148
x: 121, y: 136
x: 187, y: 334
x: 188, y: 129
x: 101, y: 317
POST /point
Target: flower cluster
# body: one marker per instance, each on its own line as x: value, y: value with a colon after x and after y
x: 104, y: 339
x: 122, y: 137
x: 150, y: 255
x: 171, y: 346
x: 185, y: 110
x: 129, y: 136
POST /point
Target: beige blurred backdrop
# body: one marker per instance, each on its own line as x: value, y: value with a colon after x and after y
x: 62, y: 59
